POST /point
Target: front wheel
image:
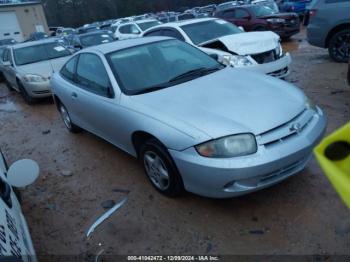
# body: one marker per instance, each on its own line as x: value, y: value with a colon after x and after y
x: 339, y: 46
x: 67, y: 120
x: 160, y: 169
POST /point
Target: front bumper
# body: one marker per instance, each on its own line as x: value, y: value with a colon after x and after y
x: 39, y: 89
x: 278, y: 68
x: 225, y: 178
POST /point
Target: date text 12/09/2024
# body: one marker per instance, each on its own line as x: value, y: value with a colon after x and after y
x: 173, y: 258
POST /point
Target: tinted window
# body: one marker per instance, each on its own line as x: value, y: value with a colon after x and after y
x: 91, y: 74
x: 95, y: 39
x: 209, y: 30
x: 5, y: 55
x: 154, y: 33
x: 2, y: 52
x: 173, y: 33
x: 228, y: 14
x: 37, y: 53
x: 241, y: 13
x: 129, y: 29
x: 138, y: 68
x: 69, y: 68
x: 260, y: 10
x: 147, y: 25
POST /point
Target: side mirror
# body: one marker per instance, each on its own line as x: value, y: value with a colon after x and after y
x: 6, y: 63
x: 78, y: 47
x: 23, y: 173
x: 215, y: 56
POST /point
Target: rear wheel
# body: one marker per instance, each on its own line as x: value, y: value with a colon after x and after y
x: 160, y: 168
x: 27, y: 98
x: 339, y: 46
x: 67, y: 120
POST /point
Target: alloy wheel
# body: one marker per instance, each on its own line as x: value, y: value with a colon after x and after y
x: 156, y: 170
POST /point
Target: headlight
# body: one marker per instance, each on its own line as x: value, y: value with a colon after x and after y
x: 34, y: 78
x: 236, y: 60
x: 311, y: 105
x: 227, y: 147
x: 276, y: 20
x: 279, y: 50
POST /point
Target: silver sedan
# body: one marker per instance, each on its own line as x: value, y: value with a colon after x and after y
x: 194, y: 124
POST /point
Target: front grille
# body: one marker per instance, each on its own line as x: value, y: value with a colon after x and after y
x: 286, y: 131
x: 279, y: 73
x: 42, y: 92
x: 265, y: 57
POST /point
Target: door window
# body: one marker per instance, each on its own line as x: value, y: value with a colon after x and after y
x: 228, y: 14
x: 92, y: 76
x: 129, y: 29
x: 241, y: 14
x: 68, y: 69
x: 154, y: 33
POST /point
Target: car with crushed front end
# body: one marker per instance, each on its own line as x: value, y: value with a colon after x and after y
x: 194, y: 123
x: 257, y: 51
x: 15, y: 241
x: 27, y: 67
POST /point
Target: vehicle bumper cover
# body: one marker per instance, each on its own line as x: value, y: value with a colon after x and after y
x: 226, y: 178
x: 278, y: 68
x: 39, y: 89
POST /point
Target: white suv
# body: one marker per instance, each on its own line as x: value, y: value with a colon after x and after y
x: 133, y: 29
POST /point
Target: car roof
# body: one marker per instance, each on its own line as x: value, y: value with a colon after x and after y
x: 123, y: 44
x: 97, y: 32
x: 184, y: 22
x: 34, y: 43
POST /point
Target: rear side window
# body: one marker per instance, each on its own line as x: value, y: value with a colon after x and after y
x: 68, y: 69
x: 154, y: 33
x: 241, y: 13
x: 228, y: 14
x: 173, y: 33
x: 91, y: 74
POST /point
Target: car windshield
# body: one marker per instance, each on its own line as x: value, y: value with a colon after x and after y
x: 159, y: 65
x: 95, y: 39
x: 146, y: 25
x: 205, y: 31
x: 37, y: 53
x: 262, y: 10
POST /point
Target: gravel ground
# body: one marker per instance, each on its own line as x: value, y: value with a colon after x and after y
x: 300, y: 216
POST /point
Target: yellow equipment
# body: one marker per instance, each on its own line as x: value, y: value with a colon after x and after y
x: 333, y: 154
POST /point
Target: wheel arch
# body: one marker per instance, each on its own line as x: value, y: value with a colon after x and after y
x: 335, y: 30
x: 138, y: 138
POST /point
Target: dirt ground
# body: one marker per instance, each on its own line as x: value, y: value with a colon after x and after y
x: 301, y: 216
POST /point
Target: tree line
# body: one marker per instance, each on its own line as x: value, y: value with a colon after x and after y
x: 74, y: 13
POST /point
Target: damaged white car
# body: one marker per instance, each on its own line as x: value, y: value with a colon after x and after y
x: 259, y: 51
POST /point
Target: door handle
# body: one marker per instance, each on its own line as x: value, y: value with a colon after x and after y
x: 74, y: 95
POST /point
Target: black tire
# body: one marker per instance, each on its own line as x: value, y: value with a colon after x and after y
x: 27, y: 98
x: 67, y: 120
x: 339, y: 46
x: 174, y: 184
x: 8, y: 85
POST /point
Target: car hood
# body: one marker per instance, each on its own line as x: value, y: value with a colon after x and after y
x: 247, y: 43
x: 227, y: 102
x: 44, y: 68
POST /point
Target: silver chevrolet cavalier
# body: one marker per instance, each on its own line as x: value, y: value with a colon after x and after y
x: 195, y: 124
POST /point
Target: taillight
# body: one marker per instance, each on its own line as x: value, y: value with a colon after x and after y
x: 312, y: 12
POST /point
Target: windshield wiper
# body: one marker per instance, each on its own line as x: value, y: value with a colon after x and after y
x: 199, y: 71
x: 195, y: 72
